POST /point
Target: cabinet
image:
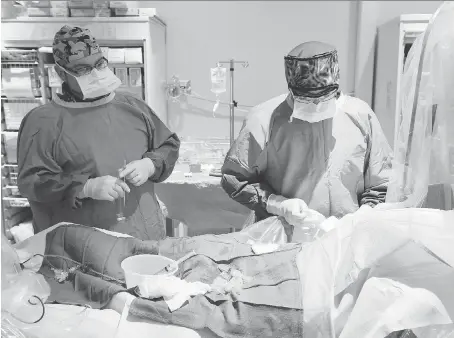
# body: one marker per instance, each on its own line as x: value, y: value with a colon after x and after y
x: 395, y: 39
x: 26, y: 46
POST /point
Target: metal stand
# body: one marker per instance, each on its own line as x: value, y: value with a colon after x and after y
x: 233, y: 104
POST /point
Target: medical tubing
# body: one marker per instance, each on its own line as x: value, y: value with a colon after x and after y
x: 93, y: 271
x: 75, y: 262
x: 29, y: 301
x: 197, y: 96
x: 123, y: 316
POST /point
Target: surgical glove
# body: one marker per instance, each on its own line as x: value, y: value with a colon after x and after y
x: 293, y: 210
x: 105, y: 188
x: 138, y: 172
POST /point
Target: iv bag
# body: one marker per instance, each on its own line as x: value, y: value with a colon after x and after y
x: 218, y: 80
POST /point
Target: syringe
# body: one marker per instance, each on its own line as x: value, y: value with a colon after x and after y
x: 121, y: 202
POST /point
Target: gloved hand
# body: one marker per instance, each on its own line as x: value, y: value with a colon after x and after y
x: 169, y: 286
x: 105, y: 188
x: 294, y: 210
x: 138, y: 172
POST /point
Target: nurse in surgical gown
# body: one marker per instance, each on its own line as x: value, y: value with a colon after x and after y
x: 312, y: 150
x: 70, y: 150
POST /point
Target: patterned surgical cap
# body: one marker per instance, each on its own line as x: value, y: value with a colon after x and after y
x: 316, y: 77
x: 73, y: 43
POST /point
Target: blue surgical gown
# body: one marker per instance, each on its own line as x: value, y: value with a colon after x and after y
x: 335, y: 165
x: 63, y: 144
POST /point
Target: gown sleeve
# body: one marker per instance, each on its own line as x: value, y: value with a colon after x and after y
x: 164, y: 146
x: 40, y: 178
x: 241, y: 178
x: 378, y: 165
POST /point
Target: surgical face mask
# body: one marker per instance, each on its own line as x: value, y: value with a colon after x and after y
x: 311, y: 112
x: 96, y: 83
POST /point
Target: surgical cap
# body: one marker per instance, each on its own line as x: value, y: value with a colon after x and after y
x: 73, y: 43
x: 312, y: 71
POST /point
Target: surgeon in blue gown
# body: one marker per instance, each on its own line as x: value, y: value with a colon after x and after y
x: 72, y: 151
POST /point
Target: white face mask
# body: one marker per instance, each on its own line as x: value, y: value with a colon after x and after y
x: 96, y: 83
x: 311, y: 112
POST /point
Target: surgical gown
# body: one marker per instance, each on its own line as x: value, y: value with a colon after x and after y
x: 335, y: 165
x: 63, y: 144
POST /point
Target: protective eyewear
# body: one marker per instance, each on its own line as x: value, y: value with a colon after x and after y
x: 313, y: 77
x: 81, y: 70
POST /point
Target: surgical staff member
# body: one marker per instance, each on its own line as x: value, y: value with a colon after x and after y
x: 312, y: 152
x: 70, y: 150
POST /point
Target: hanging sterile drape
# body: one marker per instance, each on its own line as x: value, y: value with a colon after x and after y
x: 424, y: 148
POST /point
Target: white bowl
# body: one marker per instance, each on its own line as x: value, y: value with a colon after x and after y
x: 143, y: 268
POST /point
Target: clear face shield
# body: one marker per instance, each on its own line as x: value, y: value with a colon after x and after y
x: 314, y: 85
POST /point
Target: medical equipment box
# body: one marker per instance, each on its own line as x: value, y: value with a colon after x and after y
x: 10, y: 142
x: 116, y: 55
x: 122, y: 74
x: 100, y: 4
x: 83, y: 12
x: 126, y: 11
x: 12, y: 177
x: 16, y: 202
x: 38, y: 4
x: 12, y: 190
x: 59, y: 12
x: 102, y: 12
x: 118, y: 4
x: 39, y: 12
x: 53, y: 77
x: 81, y: 4
x: 135, y: 77
x: 147, y: 11
x: 15, y: 111
x: 59, y: 4
x: 133, y: 56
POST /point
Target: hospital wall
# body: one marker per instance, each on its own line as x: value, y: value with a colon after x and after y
x: 374, y: 14
x: 200, y: 33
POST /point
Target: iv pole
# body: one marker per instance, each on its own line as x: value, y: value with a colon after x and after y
x: 233, y: 104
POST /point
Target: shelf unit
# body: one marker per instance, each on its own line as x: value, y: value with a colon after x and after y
x: 32, y: 34
x: 148, y: 33
x: 14, y: 108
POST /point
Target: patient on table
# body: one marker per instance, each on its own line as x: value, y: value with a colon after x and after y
x: 325, y: 288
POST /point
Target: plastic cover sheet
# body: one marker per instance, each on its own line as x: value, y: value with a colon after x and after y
x: 380, y: 271
x: 272, y: 230
x: 424, y: 148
